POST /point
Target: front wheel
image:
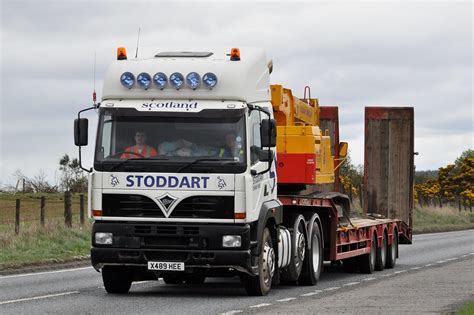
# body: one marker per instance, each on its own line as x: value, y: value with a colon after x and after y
x: 260, y: 285
x: 117, y: 279
x: 313, y: 262
x: 173, y: 278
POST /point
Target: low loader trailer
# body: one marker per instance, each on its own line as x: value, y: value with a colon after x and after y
x: 204, y: 169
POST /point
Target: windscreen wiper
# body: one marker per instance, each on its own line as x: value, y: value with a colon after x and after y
x: 115, y: 166
x: 227, y: 160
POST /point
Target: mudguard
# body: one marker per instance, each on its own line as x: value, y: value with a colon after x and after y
x: 272, y: 209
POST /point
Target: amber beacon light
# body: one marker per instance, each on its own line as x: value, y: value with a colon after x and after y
x: 121, y: 53
x: 235, y: 54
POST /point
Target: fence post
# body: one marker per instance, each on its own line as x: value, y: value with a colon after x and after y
x: 42, y: 209
x: 17, y: 217
x: 81, y: 208
x: 459, y: 204
x: 67, y: 209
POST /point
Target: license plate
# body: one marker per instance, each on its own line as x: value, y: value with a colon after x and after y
x: 164, y: 265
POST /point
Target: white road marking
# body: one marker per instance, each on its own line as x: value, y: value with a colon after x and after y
x: 415, y: 268
x: 44, y: 273
x: 232, y: 312
x: 369, y: 279
x: 441, y: 261
x: 260, y: 305
x: 286, y: 300
x: 332, y: 289
x: 312, y: 293
x: 428, y: 265
x: 350, y: 284
x: 400, y: 271
x: 464, y: 256
x: 451, y: 259
x: 39, y: 297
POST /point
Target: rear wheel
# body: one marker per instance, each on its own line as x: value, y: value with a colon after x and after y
x: 260, y: 285
x: 366, y: 262
x: 350, y: 265
x: 313, y: 262
x: 298, y: 252
x: 117, y: 279
x: 381, y: 254
x: 392, y: 251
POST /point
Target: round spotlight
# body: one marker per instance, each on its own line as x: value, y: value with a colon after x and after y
x: 193, y: 80
x: 144, y: 80
x: 161, y: 80
x: 127, y: 79
x: 177, y: 80
x: 209, y: 80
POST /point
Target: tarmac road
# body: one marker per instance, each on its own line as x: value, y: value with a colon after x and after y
x: 431, y: 270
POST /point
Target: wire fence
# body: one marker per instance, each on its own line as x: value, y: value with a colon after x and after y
x: 40, y: 209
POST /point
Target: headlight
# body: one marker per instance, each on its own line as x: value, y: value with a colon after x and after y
x: 102, y: 238
x: 176, y: 80
x: 144, y: 80
x: 231, y: 241
x: 193, y: 80
x: 127, y: 79
x: 161, y: 80
x: 209, y: 80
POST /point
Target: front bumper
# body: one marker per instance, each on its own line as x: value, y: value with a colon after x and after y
x: 197, y: 245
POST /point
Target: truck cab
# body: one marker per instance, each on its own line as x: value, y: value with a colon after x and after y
x: 186, y: 201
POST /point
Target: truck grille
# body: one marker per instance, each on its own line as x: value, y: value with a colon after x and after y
x: 195, y: 207
x: 205, y: 207
x: 117, y: 205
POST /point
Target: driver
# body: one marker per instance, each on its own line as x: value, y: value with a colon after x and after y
x: 140, y: 149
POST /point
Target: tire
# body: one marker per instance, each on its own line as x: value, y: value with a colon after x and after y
x: 313, y: 262
x: 392, y: 252
x: 194, y: 279
x: 298, y: 253
x: 350, y: 265
x: 366, y: 262
x: 117, y: 279
x: 261, y: 284
x: 173, y: 278
x: 381, y: 259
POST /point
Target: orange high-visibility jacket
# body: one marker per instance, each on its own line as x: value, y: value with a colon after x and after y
x: 147, y: 151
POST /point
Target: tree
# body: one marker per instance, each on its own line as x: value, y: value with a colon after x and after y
x: 41, y: 184
x: 351, y: 175
x: 72, y: 176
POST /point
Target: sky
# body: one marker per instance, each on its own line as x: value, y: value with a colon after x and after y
x: 352, y: 54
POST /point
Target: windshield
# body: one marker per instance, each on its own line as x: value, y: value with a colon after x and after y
x: 211, y: 141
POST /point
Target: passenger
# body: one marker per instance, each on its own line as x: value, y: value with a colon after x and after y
x: 232, y: 149
x: 140, y: 149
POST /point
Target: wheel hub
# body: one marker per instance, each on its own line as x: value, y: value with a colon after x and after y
x: 268, y: 263
x: 301, y: 245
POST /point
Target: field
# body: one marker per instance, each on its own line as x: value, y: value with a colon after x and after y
x: 36, y: 244
x: 56, y: 243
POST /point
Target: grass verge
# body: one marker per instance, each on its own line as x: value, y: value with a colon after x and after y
x: 36, y: 245
x: 431, y: 220
x: 467, y: 309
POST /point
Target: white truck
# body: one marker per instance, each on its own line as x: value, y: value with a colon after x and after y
x: 196, y: 195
